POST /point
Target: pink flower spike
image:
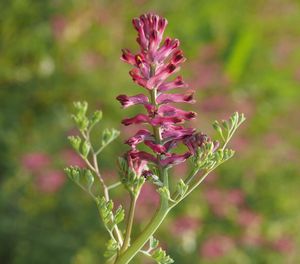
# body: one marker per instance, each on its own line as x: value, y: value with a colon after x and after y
x: 127, y: 101
x: 176, y: 98
x: 177, y: 83
x: 138, y: 119
x: 175, y: 159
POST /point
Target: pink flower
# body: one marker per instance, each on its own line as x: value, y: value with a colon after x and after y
x: 127, y: 101
x: 35, y: 161
x: 284, y: 245
x: 147, y: 202
x: 72, y: 158
x: 176, y: 98
x: 136, y: 162
x: 216, y: 246
x: 248, y: 218
x: 50, y: 181
x: 185, y: 224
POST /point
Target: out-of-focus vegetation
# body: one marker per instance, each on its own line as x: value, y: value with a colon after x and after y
x: 242, y: 55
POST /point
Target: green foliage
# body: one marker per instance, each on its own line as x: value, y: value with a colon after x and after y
x: 111, y: 248
x: 160, y: 256
x: 82, y: 177
x: 109, y: 218
x: 228, y: 128
x: 181, y: 188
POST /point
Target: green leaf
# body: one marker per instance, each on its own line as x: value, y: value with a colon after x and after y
x: 89, y: 179
x: 75, y: 142
x: 181, y: 188
x: 153, y: 243
x: 108, y: 135
x: 119, y: 215
x: 96, y: 117
x: 111, y: 248
x: 85, y: 148
x: 161, y: 257
x: 73, y: 173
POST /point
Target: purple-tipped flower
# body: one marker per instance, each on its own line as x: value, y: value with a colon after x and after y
x: 155, y: 62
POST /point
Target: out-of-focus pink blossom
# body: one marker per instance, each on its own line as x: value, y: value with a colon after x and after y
x: 50, y: 181
x: 250, y: 239
x: 58, y: 24
x: 222, y: 202
x: 70, y: 157
x: 35, y: 161
x: 248, y: 218
x: 216, y: 246
x: 147, y: 202
x: 184, y: 224
x: 284, y: 245
x: 236, y: 197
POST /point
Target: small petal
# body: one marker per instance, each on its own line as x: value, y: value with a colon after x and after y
x: 178, y: 57
x: 137, y: 78
x: 167, y: 110
x: 144, y: 156
x: 138, y: 119
x: 159, y: 120
x: 157, y: 148
x: 176, y: 98
x: 177, y: 83
x: 162, y: 75
x: 127, y: 101
x: 167, y: 49
x: 128, y: 57
x: 143, y: 66
x: 176, y: 132
x: 139, y: 137
x: 135, y: 163
x: 175, y: 159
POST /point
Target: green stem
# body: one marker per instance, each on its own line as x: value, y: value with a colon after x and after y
x: 142, y: 239
x: 129, y: 223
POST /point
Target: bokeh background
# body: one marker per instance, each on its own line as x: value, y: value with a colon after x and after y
x: 242, y: 55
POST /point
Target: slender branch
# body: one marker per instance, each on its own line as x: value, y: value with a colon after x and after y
x: 95, y: 168
x: 133, y: 200
x: 114, y: 185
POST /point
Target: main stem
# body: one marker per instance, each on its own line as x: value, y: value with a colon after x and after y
x: 164, y: 208
x: 150, y: 229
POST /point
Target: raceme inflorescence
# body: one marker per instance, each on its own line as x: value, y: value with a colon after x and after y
x: 162, y: 142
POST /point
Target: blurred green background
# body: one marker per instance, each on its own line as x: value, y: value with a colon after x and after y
x: 242, y: 55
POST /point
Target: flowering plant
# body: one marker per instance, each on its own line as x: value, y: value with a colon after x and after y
x: 163, y: 139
